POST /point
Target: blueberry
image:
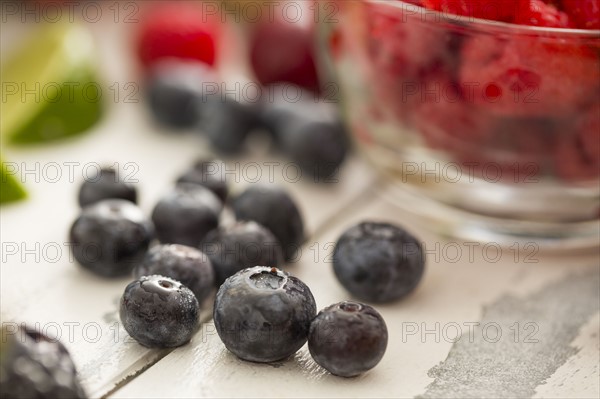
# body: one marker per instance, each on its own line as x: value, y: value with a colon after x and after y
x: 159, y: 312
x: 209, y: 174
x: 185, y: 264
x: 186, y: 214
x: 309, y: 132
x: 378, y: 262
x: 281, y: 104
x: 104, y: 186
x: 110, y: 237
x: 33, y: 365
x: 348, y: 338
x: 227, y: 122
x: 318, y: 147
x: 263, y: 314
x: 272, y: 207
x: 175, y: 92
x: 239, y: 246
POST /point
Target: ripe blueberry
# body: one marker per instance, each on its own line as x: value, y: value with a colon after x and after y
x: 239, y: 246
x: 263, y: 314
x: 175, y: 92
x: 227, y: 122
x: 318, y: 147
x: 159, y: 312
x: 378, y: 262
x: 110, y: 237
x: 272, y: 207
x: 186, y: 214
x: 282, y: 101
x: 348, y: 338
x: 310, y: 133
x: 105, y: 186
x: 209, y: 174
x: 185, y: 264
x: 33, y: 365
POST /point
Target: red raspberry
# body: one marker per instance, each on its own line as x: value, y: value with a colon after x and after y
x: 404, y: 43
x: 589, y: 131
x: 526, y: 143
x: 517, y: 150
x: 177, y: 30
x: 510, y: 149
x: 572, y: 165
x: 455, y: 7
x: 529, y: 76
x: 584, y: 13
x: 538, y: 13
x: 446, y: 121
x: 577, y: 155
x: 404, y: 52
x: 497, y: 10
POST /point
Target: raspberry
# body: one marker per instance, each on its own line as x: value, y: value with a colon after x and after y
x: 585, y: 14
x: 538, y: 13
x: 404, y: 49
x: 577, y: 155
x: 522, y: 146
x: 589, y: 131
x: 529, y: 76
x: 497, y: 10
x: 573, y: 164
x: 451, y: 125
x: 454, y: 7
x: 403, y: 44
x: 514, y: 148
x: 444, y: 117
x: 177, y: 30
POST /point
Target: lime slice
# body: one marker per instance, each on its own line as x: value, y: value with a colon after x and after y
x: 10, y: 189
x: 49, y: 88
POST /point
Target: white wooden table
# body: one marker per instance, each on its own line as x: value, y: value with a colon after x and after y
x: 529, y: 321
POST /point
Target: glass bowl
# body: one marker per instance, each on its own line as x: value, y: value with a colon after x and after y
x: 490, y: 131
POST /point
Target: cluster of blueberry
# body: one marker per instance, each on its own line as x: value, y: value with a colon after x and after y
x: 305, y: 128
x: 177, y: 47
x: 112, y: 236
x: 261, y: 313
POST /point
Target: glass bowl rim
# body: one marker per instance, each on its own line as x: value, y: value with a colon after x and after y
x: 480, y: 24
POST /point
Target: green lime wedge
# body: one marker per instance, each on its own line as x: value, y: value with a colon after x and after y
x: 10, y: 189
x: 49, y: 87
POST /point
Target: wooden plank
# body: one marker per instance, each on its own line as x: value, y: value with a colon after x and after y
x: 454, y: 292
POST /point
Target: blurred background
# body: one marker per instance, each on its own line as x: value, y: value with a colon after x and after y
x: 119, y: 74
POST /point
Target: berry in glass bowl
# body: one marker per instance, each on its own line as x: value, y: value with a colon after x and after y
x: 486, y: 118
